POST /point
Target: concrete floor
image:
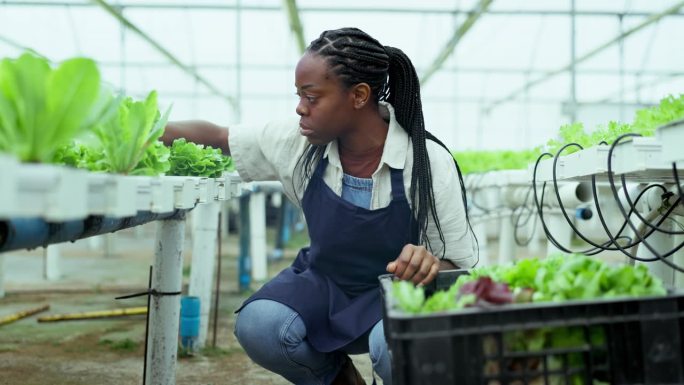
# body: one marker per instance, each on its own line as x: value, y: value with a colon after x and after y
x: 111, y: 351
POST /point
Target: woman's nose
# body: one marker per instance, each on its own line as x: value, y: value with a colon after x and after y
x: 301, y: 110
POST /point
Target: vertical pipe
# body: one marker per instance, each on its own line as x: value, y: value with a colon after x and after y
x: 165, y: 309
x: 204, y: 234
x: 2, y: 275
x: 257, y: 229
x: 621, y: 47
x: 122, y: 37
x: 51, y: 261
x: 661, y: 243
x: 573, y: 58
x: 678, y: 259
x: 480, y: 230
x: 244, y: 269
x: 108, y: 248
x: 217, y: 292
x: 506, y: 241
x: 536, y: 245
x: 238, y: 60
x: 561, y: 231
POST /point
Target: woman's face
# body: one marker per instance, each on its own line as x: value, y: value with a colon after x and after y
x: 325, y: 106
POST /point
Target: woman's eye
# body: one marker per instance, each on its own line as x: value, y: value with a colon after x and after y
x: 308, y: 98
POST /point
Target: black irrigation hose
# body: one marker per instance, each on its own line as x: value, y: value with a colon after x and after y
x: 663, y: 258
x: 541, y: 214
x: 475, y: 187
x: 517, y: 225
x: 607, y: 231
x: 600, y: 247
x: 539, y: 205
x: 597, y: 247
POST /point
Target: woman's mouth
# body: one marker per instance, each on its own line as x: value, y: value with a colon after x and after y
x: 305, y: 131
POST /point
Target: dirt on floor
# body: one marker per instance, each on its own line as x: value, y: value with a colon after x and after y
x: 111, y: 351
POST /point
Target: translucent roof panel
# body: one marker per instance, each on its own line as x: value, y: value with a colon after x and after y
x: 508, y: 83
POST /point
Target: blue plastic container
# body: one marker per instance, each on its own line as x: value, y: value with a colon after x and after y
x: 189, y: 322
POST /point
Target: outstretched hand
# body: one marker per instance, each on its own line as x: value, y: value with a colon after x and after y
x: 415, y: 264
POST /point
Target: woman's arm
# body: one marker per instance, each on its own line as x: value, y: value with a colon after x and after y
x: 197, y: 131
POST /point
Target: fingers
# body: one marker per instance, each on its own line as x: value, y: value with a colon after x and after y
x: 415, y: 264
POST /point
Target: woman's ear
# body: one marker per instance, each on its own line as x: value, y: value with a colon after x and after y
x: 361, y: 94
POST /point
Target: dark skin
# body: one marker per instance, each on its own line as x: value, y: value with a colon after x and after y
x: 330, y: 111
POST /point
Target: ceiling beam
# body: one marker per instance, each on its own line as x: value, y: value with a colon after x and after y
x: 533, y: 83
x: 190, y: 71
x: 429, y: 11
x: 295, y: 24
x: 462, y: 29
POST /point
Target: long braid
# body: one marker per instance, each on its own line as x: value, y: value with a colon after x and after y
x: 355, y: 57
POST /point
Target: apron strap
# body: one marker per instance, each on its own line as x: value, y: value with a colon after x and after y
x: 397, y: 177
x: 320, y: 167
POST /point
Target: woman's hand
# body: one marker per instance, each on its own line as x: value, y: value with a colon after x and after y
x: 415, y: 264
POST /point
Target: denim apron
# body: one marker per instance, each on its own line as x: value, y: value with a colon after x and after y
x: 333, y: 284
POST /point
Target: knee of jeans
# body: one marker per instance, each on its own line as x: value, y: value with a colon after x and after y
x: 258, y: 326
x: 377, y: 346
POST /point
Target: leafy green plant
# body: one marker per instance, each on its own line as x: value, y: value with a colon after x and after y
x: 80, y: 155
x: 42, y: 108
x: 645, y: 123
x: 125, y: 137
x: 483, y: 161
x: 558, y: 278
x: 190, y: 159
x: 155, y: 161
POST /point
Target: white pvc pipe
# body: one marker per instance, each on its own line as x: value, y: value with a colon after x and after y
x: 480, y: 230
x: 662, y: 243
x: 678, y: 259
x: 225, y: 212
x: 108, y: 247
x: 165, y: 310
x: 202, y: 272
x: 507, y: 245
x: 257, y: 228
x: 536, y: 245
x: 560, y: 230
x: 95, y: 243
x: 2, y: 275
x: 51, y: 262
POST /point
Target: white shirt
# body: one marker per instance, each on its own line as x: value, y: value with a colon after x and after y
x: 271, y: 152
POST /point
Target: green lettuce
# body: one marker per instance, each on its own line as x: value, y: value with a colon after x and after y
x: 190, y: 159
x: 125, y: 137
x: 42, y: 109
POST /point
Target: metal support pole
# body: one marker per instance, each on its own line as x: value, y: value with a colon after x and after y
x: 244, y: 265
x: 51, y: 259
x: 257, y: 229
x: 204, y: 235
x: 165, y: 309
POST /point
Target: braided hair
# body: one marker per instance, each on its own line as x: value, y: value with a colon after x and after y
x: 355, y: 57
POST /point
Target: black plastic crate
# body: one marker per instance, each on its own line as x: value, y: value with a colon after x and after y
x: 622, y: 341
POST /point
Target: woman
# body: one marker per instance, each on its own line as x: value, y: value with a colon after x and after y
x: 379, y: 193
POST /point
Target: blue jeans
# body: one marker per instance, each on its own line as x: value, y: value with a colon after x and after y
x: 274, y: 336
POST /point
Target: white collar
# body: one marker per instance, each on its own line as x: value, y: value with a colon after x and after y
x: 394, y: 150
